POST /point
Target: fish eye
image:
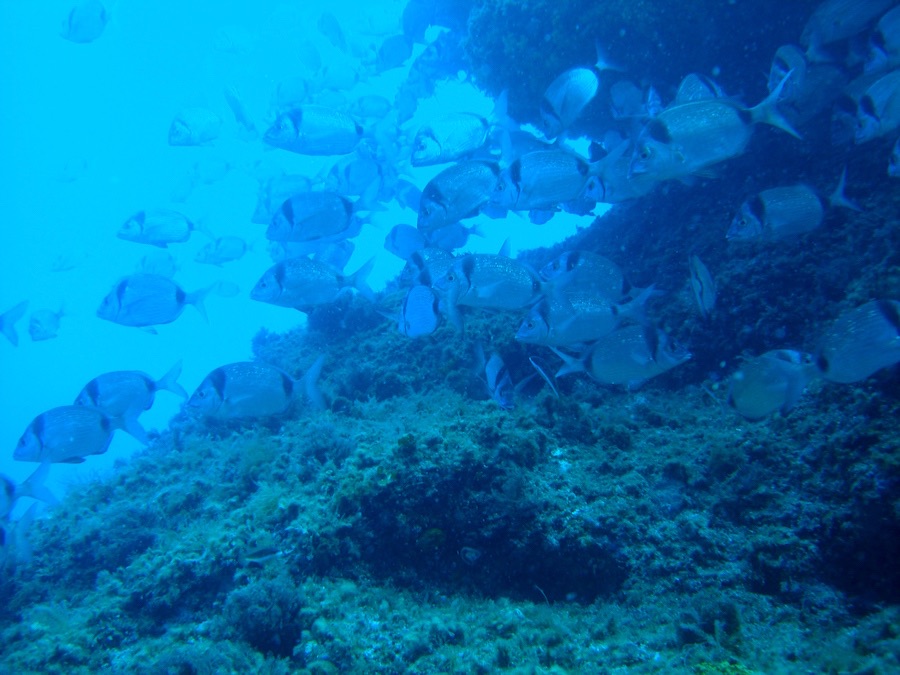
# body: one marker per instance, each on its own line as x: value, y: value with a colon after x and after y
x: 451, y: 276
x: 645, y: 152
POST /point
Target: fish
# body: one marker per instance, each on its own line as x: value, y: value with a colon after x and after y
x: 85, y: 22
x: 488, y: 281
x: 236, y: 102
x: 426, y: 266
x: 314, y: 130
x: 355, y: 176
x: 33, y: 487
x: 541, y: 180
x: 392, y: 53
x: 67, y: 434
x: 884, y: 43
x: 860, y: 342
x: 222, y: 250
x: 587, y: 271
x: 771, y: 382
x: 782, y: 212
x: 569, y: 94
x: 331, y: 29
x: 449, y: 138
x: 566, y: 319
x: 611, y: 180
x: 687, y: 138
x: 9, y: 319
x: 836, y: 20
x: 254, y: 389
x: 44, y: 324
x: 144, y: 300
x: 420, y: 313
x: 703, y: 286
x: 453, y: 236
x: 157, y: 227
x: 628, y: 357
x: 457, y: 192
x: 194, y: 126
x: 128, y: 393
x: 495, y: 375
x: 878, y: 112
x: 894, y: 163
x: 301, y: 283
x: 403, y: 241
x: 809, y: 88
x: 314, y: 217
x: 274, y: 191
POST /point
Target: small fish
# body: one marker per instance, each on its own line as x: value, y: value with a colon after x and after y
x: 302, y: 283
x: 66, y: 434
x: 786, y: 211
x: 403, y: 241
x: 894, y: 164
x: 457, y: 192
x: 33, y: 487
x: 569, y: 94
x: 407, y: 195
x: 688, y: 138
x: 629, y: 356
x: 330, y: 28
x: 222, y: 250
x: 836, y: 20
x: 157, y: 227
x: 703, y: 285
x: 449, y: 138
x: 44, y: 324
x: 541, y: 180
x: 194, y: 126
x: 494, y: 373
x: 878, y: 113
x: 145, y: 300
x: 314, y: 217
x: 236, y: 102
x: 8, y: 321
x: 587, y: 271
x: 254, y: 389
x: 85, y: 22
x: 314, y: 130
x: 773, y: 381
x: 453, y: 236
x: 128, y: 393
x: 393, y: 53
x: 420, y: 314
x: 355, y: 176
x: 860, y: 342
x: 488, y: 281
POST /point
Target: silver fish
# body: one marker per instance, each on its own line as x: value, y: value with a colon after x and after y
x: 809, y: 88
x: 457, y: 192
x: 629, y: 356
x: 836, y: 20
x: 611, y: 180
x: 453, y: 236
x: 844, y: 112
x: 449, y: 138
x: 44, y: 324
x: 687, y: 138
x: 157, y: 227
x: 541, y: 180
x: 860, y: 342
x: 587, y: 271
x: 314, y: 217
x: 488, y: 281
x: 420, y: 314
x: 314, y: 130
x: 8, y: 321
x: 302, y: 282
x: 145, y: 300
x: 128, y: 393
x: 403, y: 241
x: 495, y: 375
x: 254, y: 389
x: 194, y: 126
x: 703, y: 286
x: 773, y: 381
x: 569, y: 319
x: 85, y: 22
x: 32, y: 487
x: 66, y: 434
x: 879, y: 109
x: 569, y: 94
x: 222, y: 250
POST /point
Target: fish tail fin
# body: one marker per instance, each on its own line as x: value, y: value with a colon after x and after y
x: 635, y: 310
x: 603, y: 62
x: 8, y: 322
x: 358, y: 279
x: 197, y: 297
x: 33, y: 486
x: 18, y: 548
x: 767, y: 112
x: 310, y: 384
x: 130, y: 425
x: 571, y: 364
x: 543, y: 373
x: 169, y: 381
x: 839, y: 199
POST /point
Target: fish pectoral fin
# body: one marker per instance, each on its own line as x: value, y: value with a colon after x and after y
x: 72, y: 460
